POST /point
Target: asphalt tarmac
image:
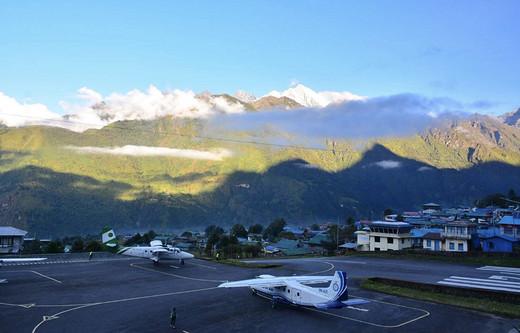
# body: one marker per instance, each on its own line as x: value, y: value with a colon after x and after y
x: 116, y: 294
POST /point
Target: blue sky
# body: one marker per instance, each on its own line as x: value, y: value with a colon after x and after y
x: 468, y: 51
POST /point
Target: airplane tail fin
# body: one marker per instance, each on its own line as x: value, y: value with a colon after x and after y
x: 339, y: 292
x: 338, y: 287
x: 109, y: 240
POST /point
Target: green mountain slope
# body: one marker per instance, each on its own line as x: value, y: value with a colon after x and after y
x: 50, y: 188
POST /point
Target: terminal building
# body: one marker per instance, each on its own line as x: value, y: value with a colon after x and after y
x: 385, y: 236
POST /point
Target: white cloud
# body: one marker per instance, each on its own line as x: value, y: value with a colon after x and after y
x: 138, y: 105
x: 14, y: 114
x: 383, y: 117
x: 307, y: 166
x: 388, y: 164
x: 215, y: 154
x: 424, y: 168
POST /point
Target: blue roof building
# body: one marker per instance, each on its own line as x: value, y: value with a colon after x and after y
x: 493, y: 241
x: 510, y: 225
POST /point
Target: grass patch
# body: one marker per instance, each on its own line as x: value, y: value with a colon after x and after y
x: 239, y: 263
x: 498, y: 308
x: 476, y: 260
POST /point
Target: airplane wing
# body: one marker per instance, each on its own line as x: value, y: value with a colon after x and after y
x: 271, y: 282
x: 21, y: 259
x: 158, y: 251
x: 277, y: 281
x: 338, y: 304
x: 310, y: 279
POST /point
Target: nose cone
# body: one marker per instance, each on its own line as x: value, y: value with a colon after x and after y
x: 186, y: 255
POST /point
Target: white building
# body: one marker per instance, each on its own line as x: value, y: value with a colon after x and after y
x: 457, y: 235
x: 11, y: 239
x: 384, y: 236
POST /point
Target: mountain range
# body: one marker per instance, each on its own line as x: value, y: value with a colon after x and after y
x: 172, y: 173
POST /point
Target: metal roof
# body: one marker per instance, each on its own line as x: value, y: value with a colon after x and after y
x: 11, y: 231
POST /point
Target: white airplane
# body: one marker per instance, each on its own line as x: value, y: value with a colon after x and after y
x: 295, y: 290
x: 156, y: 251
x: 2, y: 260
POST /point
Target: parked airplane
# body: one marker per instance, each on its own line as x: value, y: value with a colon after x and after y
x: 295, y: 290
x: 156, y: 251
x: 17, y: 260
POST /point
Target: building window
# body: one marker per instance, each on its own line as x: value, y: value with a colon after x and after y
x: 376, y: 239
x: 508, y: 231
x: 491, y: 245
x: 429, y: 243
x: 390, y: 241
x: 461, y: 247
x: 452, y: 246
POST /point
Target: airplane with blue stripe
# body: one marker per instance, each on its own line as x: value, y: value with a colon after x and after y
x: 298, y: 290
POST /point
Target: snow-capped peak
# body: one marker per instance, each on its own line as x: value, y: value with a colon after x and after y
x: 244, y: 96
x: 309, y: 98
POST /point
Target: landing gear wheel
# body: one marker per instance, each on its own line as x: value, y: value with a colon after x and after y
x: 254, y: 291
x: 155, y: 263
x: 182, y: 262
x: 273, y: 304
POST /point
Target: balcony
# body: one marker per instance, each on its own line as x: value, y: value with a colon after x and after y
x: 455, y: 235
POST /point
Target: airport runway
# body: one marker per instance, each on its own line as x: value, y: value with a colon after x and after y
x: 116, y: 294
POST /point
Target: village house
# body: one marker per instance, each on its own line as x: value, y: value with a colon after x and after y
x: 457, y: 235
x: 510, y: 225
x: 11, y: 239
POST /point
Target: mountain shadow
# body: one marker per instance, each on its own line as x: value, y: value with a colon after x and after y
x: 50, y: 204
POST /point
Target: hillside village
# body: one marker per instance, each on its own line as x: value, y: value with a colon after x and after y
x: 490, y: 229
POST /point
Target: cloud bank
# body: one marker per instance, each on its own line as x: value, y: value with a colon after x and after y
x: 91, y: 110
x: 393, y: 116
x: 367, y: 118
x: 130, y: 150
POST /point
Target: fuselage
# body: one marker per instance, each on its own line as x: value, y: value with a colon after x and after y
x: 298, y: 294
x: 156, y: 253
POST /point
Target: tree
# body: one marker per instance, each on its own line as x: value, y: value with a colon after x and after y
x: 187, y: 234
x: 34, y: 247
x: 256, y: 229
x: 511, y: 195
x: 213, y: 229
x: 315, y: 227
x: 78, y: 245
x: 286, y: 235
x: 54, y: 247
x: 213, y: 239
x: 136, y: 239
x: 94, y: 246
x: 274, y: 229
x: 399, y: 218
x: 239, y: 231
x: 388, y: 211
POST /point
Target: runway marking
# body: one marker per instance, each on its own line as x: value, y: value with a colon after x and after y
x: 327, y: 270
x: 426, y: 313
x: 503, y: 282
x: 45, y: 276
x: 206, y: 266
x: 178, y: 276
x: 174, y: 266
x: 80, y: 306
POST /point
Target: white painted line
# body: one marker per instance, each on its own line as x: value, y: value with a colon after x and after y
x: 475, y: 280
x: 477, y: 287
x: 192, y: 263
x: 174, y: 266
x: 45, y: 276
x: 503, y: 278
x: 500, y: 268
